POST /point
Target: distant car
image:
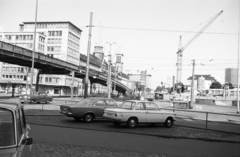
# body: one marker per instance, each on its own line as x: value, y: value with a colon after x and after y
x: 150, y: 97
x: 88, y: 109
x: 133, y: 112
x: 36, y: 97
x: 14, y: 140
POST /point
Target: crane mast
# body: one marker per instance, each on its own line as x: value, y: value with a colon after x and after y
x: 181, y: 49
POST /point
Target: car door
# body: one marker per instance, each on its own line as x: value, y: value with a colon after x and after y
x: 98, y: 108
x: 43, y: 97
x: 22, y: 134
x: 139, y: 111
x: 153, y: 113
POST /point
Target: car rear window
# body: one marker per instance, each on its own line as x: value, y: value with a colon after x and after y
x: 6, y: 128
x: 128, y: 105
x: 84, y: 102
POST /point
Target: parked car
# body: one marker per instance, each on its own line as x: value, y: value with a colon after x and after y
x: 14, y: 139
x: 150, y: 97
x: 133, y: 112
x: 88, y: 109
x: 36, y: 97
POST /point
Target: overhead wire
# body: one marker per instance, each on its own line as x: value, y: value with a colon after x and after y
x: 162, y: 30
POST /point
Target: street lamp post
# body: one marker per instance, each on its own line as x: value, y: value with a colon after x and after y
x: 116, y: 71
x: 192, y: 91
x: 109, y: 70
x: 88, y: 56
x: 34, y: 43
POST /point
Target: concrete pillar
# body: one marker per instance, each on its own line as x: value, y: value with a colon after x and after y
x: 37, y: 79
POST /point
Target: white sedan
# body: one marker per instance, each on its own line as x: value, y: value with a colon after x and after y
x: 133, y: 112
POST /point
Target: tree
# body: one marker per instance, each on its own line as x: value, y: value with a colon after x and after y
x: 215, y: 85
x: 229, y: 85
x: 159, y: 88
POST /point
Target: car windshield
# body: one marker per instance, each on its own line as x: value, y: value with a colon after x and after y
x: 128, y: 105
x: 84, y: 102
x: 6, y: 128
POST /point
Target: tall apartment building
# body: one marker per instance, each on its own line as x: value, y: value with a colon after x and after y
x: 57, y: 39
x: 231, y: 76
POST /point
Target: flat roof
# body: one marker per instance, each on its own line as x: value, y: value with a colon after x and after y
x: 54, y: 22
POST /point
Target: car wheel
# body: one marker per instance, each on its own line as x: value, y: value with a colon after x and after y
x: 168, y: 123
x: 47, y: 101
x: 88, y: 118
x: 117, y: 123
x: 77, y: 118
x: 132, y: 122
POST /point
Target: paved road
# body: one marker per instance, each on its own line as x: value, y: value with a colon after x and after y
x: 51, y: 141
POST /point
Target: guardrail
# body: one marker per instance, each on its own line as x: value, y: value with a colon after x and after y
x: 207, y: 120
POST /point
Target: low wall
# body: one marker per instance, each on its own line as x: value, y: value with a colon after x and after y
x: 216, y: 102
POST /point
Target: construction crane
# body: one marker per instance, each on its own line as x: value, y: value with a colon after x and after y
x: 181, y: 49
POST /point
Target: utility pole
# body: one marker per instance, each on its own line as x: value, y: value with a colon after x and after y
x: 88, y: 56
x: 192, y: 90
x: 173, y: 83
x: 116, y: 70
x: 33, y: 53
x: 145, y: 92
x: 109, y: 74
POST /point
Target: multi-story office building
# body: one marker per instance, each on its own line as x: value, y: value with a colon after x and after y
x: 57, y: 39
x: 12, y: 73
x: 142, y: 79
x: 231, y: 75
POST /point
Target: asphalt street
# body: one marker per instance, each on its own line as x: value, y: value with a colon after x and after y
x: 123, y: 142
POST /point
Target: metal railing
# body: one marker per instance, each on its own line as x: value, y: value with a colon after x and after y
x: 228, y: 122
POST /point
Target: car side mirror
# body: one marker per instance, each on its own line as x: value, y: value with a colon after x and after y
x: 27, y: 141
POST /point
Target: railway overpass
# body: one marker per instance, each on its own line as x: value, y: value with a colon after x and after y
x: 13, y: 54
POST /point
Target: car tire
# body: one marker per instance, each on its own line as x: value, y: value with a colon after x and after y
x: 168, y: 123
x: 77, y: 118
x: 88, y: 118
x: 117, y: 123
x: 47, y: 102
x: 132, y: 122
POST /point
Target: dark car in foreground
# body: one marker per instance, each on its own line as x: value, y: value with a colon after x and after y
x: 88, y: 109
x: 35, y: 97
x: 14, y: 140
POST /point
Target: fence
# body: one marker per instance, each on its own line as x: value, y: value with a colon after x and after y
x: 207, y: 120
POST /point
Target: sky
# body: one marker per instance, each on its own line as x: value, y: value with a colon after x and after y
x: 147, y: 32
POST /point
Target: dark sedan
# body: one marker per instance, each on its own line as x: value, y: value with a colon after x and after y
x: 88, y: 109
